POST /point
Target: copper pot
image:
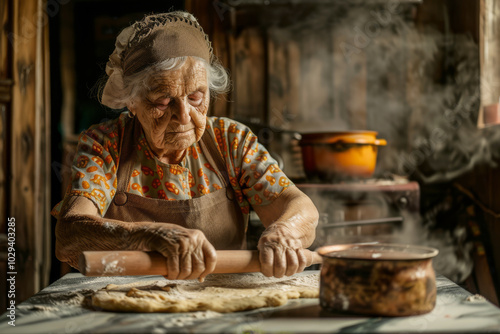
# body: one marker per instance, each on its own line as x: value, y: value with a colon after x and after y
x: 330, y: 155
x: 378, y: 279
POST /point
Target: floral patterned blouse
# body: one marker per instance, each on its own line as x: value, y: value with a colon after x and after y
x: 253, y: 173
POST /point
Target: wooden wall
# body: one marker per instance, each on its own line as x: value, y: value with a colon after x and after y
x: 25, y: 144
x: 481, y: 184
x: 295, y: 68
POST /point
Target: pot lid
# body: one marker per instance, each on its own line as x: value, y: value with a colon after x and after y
x: 378, y: 251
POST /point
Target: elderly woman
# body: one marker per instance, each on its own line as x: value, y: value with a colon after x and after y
x: 165, y: 177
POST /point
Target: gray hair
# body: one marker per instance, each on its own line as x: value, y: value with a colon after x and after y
x: 137, y: 86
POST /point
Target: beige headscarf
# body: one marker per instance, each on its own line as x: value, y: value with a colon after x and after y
x: 151, y: 40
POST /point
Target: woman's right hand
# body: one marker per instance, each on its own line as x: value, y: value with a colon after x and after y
x: 188, y: 252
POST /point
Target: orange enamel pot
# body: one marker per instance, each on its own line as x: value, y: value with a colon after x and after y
x: 334, y: 155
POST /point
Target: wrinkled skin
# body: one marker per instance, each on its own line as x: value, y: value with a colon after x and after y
x: 173, y: 117
x: 80, y: 228
x: 290, y: 222
x: 173, y: 113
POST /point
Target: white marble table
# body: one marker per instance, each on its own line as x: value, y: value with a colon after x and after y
x: 58, y: 309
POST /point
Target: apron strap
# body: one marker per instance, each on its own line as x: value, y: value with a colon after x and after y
x: 217, y: 161
x: 125, y: 163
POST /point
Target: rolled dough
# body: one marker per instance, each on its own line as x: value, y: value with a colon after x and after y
x: 220, y: 293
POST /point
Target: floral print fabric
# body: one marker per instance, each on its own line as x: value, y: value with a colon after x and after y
x: 253, y: 173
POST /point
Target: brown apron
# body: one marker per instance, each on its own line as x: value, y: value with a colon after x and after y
x: 216, y: 214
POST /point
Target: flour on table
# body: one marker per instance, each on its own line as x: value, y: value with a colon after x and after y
x: 54, y: 301
x: 221, y: 293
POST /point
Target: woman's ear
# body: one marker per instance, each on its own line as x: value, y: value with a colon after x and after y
x: 131, y: 107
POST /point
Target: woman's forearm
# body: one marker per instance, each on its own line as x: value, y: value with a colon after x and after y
x: 290, y: 222
x: 294, y: 213
x: 80, y: 228
x: 78, y: 233
x: 188, y: 254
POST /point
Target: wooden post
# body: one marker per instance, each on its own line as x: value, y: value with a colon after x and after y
x: 29, y: 146
x: 68, y: 75
x: 5, y: 98
x: 22, y: 160
x: 490, y: 51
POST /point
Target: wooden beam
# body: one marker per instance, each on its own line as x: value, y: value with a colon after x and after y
x: 4, y: 41
x: 68, y: 80
x: 45, y: 145
x: 28, y: 149
x: 490, y: 51
x: 41, y: 200
x: 5, y: 98
x: 22, y: 162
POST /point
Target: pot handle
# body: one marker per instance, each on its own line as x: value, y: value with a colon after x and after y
x: 380, y: 142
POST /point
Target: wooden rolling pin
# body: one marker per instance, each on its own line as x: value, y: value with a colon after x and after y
x: 130, y: 263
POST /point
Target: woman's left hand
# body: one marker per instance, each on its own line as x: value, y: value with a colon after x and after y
x: 290, y: 222
x: 280, y: 252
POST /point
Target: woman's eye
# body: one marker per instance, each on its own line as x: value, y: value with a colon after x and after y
x: 162, y: 101
x: 162, y: 107
x: 195, y: 99
x: 162, y: 104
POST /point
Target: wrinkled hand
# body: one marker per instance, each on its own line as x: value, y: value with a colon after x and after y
x: 188, y: 252
x: 280, y: 253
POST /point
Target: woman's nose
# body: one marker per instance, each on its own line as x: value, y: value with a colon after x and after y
x: 182, y: 113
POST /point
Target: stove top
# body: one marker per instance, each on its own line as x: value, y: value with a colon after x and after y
x: 389, y: 183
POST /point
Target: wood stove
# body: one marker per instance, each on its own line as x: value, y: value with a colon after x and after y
x: 370, y: 210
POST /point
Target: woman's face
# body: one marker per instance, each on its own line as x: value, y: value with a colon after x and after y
x: 173, y: 113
